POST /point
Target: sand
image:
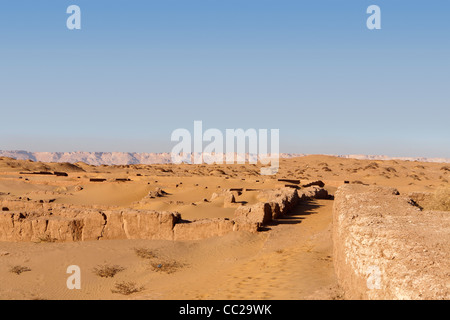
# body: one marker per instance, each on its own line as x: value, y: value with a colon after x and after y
x: 291, y: 259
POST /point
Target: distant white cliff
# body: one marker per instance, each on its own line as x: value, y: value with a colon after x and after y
x: 124, y: 158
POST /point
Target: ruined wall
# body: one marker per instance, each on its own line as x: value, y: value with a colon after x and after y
x: 91, y: 225
x: 202, y: 229
x: 27, y: 220
x: 387, y: 248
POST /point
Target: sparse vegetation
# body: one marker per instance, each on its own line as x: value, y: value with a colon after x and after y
x: 107, y: 271
x: 144, y: 253
x: 19, y: 269
x: 126, y: 288
x: 167, y: 266
x: 157, y: 263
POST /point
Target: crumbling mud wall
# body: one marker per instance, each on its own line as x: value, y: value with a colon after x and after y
x: 386, y: 247
x: 27, y: 220
x: 89, y: 225
x: 205, y: 228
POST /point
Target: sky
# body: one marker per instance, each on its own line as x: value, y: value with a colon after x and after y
x: 138, y: 70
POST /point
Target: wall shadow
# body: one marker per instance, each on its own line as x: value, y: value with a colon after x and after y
x: 296, y: 215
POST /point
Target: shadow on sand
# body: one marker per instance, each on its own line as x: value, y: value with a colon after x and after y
x: 296, y: 215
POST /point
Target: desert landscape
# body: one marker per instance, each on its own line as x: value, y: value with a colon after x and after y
x: 224, y: 154
x: 321, y: 228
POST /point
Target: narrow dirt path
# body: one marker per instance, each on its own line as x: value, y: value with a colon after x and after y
x: 295, y: 262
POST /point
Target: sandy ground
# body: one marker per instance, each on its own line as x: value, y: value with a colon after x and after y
x: 291, y: 259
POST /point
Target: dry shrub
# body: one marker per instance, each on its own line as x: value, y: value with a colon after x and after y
x: 157, y: 263
x: 144, y: 253
x: 126, y: 288
x: 19, y: 269
x: 107, y: 271
x: 168, y: 266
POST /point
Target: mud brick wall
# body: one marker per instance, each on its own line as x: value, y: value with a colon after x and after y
x: 387, y: 248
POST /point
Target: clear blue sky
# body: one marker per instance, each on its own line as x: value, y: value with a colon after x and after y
x: 137, y: 70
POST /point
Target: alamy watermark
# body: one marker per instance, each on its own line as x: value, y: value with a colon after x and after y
x: 74, y: 20
x: 229, y: 148
x: 374, y: 20
x: 74, y: 280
